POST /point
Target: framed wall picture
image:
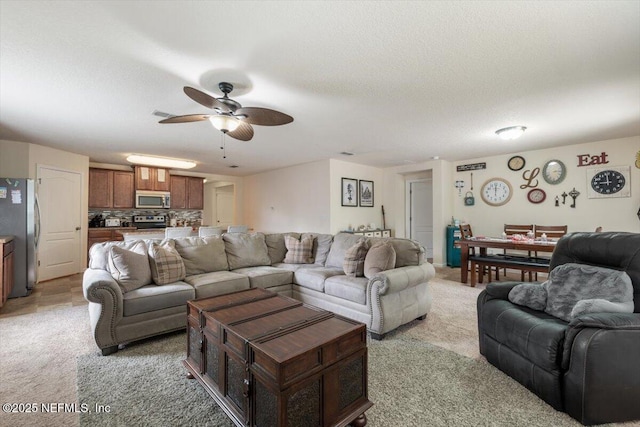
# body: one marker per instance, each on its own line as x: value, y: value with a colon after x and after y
x: 349, y: 192
x: 366, y: 193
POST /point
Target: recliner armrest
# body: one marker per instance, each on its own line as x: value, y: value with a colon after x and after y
x: 499, y: 290
x: 605, y: 321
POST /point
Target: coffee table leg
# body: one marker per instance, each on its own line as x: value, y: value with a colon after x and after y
x: 360, y: 421
x: 190, y: 375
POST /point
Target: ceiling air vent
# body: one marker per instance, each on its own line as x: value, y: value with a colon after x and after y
x: 234, y: 166
x: 346, y: 153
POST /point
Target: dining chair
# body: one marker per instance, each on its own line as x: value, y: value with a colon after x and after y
x: 209, y: 231
x: 237, y: 229
x: 173, y: 232
x: 465, y: 233
x: 551, y: 232
x: 511, y: 230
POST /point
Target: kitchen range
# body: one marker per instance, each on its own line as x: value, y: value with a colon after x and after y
x: 149, y: 221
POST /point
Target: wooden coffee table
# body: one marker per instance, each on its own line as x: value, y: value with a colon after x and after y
x: 268, y: 360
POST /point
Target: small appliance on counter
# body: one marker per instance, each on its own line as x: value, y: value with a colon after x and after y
x: 149, y: 221
x: 112, y: 222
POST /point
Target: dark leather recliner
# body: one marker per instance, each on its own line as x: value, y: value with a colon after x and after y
x: 588, y: 368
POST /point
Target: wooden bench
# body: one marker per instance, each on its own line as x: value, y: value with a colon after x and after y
x: 522, y: 263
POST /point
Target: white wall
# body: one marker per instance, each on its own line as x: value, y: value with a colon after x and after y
x: 613, y: 214
x: 343, y: 216
x: 290, y: 199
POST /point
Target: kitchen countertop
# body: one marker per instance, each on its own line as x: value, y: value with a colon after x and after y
x: 5, y: 239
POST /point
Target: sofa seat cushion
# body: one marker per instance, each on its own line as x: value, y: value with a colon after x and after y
x: 534, y: 335
x: 294, y: 267
x: 347, y: 287
x: 151, y: 297
x: 217, y: 283
x: 266, y: 276
x: 313, y: 278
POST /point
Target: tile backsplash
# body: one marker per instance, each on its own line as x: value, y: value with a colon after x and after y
x: 183, y: 216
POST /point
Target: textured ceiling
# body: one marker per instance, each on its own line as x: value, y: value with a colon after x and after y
x: 392, y: 82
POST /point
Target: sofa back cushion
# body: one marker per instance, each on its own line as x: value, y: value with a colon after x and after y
x: 246, y: 250
x: 408, y: 252
x: 341, y: 243
x: 276, y: 247
x: 166, y: 263
x: 321, y: 246
x: 202, y: 254
x: 130, y: 267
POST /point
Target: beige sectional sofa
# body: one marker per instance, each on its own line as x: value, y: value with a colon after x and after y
x: 122, y: 311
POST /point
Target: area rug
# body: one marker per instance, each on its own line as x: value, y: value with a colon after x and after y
x: 411, y: 383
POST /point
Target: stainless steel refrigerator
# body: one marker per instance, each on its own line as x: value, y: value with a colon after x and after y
x: 19, y: 216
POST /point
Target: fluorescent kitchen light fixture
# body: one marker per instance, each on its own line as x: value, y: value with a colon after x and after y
x: 166, y: 162
x: 511, y: 132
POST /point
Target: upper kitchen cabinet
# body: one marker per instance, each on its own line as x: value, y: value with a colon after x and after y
x: 111, y: 189
x: 187, y: 192
x: 154, y: 179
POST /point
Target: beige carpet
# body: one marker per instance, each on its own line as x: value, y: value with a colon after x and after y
x: 38, y: 350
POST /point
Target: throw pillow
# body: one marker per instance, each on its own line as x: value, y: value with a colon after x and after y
x: 532, y: 295
x: 570, y: 284
x: 380, y: 257
x: 166, y: 263
x: 130, y: 268
x: 298, y: 251
x: 354, y: 257
x: 246, y: 250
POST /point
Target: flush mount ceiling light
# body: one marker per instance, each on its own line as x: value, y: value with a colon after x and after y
x: 160, y: 161
x: 511, y: 132
x: 224, y: 123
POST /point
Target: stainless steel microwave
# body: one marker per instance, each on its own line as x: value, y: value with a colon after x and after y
x: 153, y: 200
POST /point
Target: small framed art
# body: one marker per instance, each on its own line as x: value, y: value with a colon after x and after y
x: 349, y: 192
x: 366, y: 193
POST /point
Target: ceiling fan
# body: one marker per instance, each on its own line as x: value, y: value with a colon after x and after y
x: 230, y: 117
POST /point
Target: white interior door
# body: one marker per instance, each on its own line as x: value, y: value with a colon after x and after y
x: 224, y: 209
x: 421, y: 214
x: 59, y: 194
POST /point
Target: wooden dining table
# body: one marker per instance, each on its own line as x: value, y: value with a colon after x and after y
x: 484, y: 243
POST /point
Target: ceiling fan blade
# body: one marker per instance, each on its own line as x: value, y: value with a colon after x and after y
x: 204, y: 99
x: 264, y: 116
x: 244, y: 132
x: 186, y: 119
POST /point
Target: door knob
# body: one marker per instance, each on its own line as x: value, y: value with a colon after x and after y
x: 77, y: 228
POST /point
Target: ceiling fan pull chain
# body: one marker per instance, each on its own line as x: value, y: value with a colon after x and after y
x: 224, y: 146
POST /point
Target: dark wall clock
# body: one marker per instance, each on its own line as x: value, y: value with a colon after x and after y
x: 608, y: 182
x: 537, y: 195
x: 516, y: 163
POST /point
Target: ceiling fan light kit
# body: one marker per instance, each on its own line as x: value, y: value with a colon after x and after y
x: 511, y: 132
x: 224, y: 123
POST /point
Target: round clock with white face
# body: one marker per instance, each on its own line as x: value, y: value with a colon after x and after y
x: 554, y: 172
x: 608, y: 182
x: 496, y: 192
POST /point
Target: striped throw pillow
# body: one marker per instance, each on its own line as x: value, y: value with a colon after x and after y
x: 354, y: 257
x: 298, y: 251
x: 166, y: 263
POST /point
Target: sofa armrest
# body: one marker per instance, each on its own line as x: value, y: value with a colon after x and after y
x: 499, y: 290
x: 105, y: 305
x: 398, y: 279
x: 600, y: 361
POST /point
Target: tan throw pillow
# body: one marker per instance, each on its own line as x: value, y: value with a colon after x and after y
x: 166, y: 263
x: 130, y: 268
x: 380, y: 257
x: 354, y: 257
x: 298, y: 251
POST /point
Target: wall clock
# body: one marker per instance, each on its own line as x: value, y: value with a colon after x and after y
x: 554, y: 172
x: 516, y: 163
x: 609, y: 182
x: 537, y: 195
x: 496, y: 191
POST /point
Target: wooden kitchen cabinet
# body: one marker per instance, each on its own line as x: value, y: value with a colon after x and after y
x: 187, y: 192
x: 111, y: 189
x: 153, y: 179
x: 6, y: 269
